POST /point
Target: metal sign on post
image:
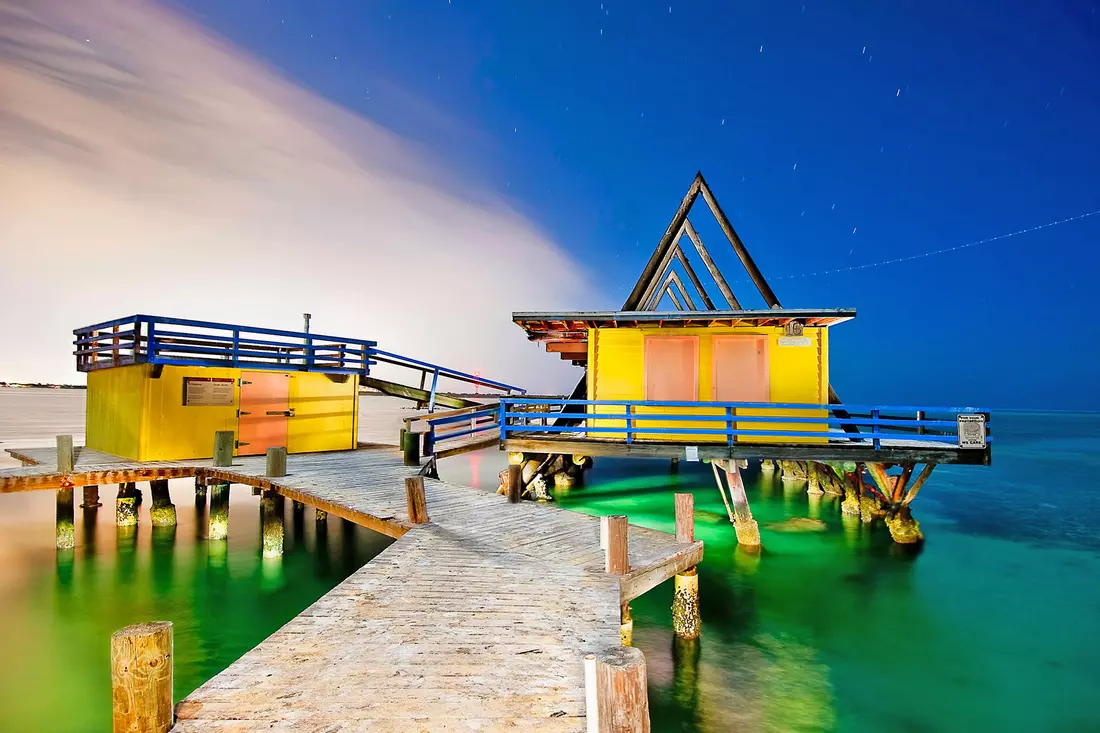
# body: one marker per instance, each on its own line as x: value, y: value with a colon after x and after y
x: 971, y: 431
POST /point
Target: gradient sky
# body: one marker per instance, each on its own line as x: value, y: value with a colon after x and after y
x: 834, y: 135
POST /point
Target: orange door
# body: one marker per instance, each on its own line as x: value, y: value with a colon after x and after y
x: 265, y: 410
x: 740, y: 369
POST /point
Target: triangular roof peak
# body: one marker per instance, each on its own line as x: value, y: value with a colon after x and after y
x: 659, y: 278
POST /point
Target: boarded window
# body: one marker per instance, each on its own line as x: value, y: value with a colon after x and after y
x: 740, y: 369
x: 672, y: 368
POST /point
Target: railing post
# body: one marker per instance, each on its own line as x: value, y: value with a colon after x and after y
x: 141, y: 678
x: 616, y: 693
x: 616, y: 553
x: 114, y: 343
x: 151, y: 344
x: 365, y: 365
x: 410, y: 447
x: 223, y: 448
x: 503, y: 424
x: 236, y: 346
x: 65, y: 454
x: 920, y: 418
x: 515, y: 483
x: 137, y: 341
x: 431, y: 399
x: 875, y: 429
x: 309, y: 354
x: 276, y: 462
x: 629, y: 425
x: 414, y: 500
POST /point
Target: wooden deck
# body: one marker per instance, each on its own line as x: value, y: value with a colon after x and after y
x: 479, y: 620
x: 893, y: 450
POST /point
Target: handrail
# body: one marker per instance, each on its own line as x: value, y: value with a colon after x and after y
x: 727, y: 419
x: 166, y: 341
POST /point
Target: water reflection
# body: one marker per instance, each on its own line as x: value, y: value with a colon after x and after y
x: 223, y: 595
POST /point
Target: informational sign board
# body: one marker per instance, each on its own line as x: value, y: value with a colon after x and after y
x: 207, y: 391
x: 971, y: 431
x: 691, y: 454
x: 795, y: 341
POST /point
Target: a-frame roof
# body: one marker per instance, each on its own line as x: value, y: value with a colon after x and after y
x: 660, y: 279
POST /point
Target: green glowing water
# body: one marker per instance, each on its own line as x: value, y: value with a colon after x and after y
x: 992, y: 626
x: 58, y: 609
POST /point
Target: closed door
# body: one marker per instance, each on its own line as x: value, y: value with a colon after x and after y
x: 671, y: 368
x: 265, y: 412
x: 740, y: 369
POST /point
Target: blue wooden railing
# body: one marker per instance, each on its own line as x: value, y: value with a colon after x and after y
x: 142, y: 339
x: 449, y: 430
x: 632, y: 420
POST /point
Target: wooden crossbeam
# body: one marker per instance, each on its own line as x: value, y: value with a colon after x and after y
x: 921, y: 478
x: 715, y: 273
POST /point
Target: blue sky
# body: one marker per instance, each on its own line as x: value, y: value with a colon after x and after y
x: 833, y: 135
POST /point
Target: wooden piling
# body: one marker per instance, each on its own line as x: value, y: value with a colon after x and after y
x: 616, y: 553
x: 748, y: 532
x: 813, y: 473
x: 223, y: 448
x: 271, y: 518
x: 686, y: 619
x: 276, y: 462
x: 66, y: 527
x: 141, y: 678
x: 685, y: 517
x: 626, y: 625
x: 616, y: 694
x: 410, y: 448
x: 65, y: 458
x: 219, y: 512
x: 515, y: 483
x: 91, y: 497
x: 162, y: 513
x: 414, y: 500
x: 685, y: 599
x: 126, y: 505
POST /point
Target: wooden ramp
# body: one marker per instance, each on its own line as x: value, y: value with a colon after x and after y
x: 479, y: 620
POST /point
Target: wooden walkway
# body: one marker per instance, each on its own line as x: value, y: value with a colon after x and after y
x: 477, y: 621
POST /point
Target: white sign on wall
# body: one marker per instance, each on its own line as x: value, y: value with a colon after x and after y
x: 795, y: 341
x: 691, y: 453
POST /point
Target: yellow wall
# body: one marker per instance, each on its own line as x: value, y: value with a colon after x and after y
x: 175, y: 431
x: 324, y: 413
x: 113, y: 420
x: 132, y: 414
x: 797, y: 374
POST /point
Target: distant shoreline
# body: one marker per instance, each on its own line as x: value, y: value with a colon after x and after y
x: 41, y: 385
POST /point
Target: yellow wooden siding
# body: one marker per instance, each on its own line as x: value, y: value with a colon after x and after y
x: 174, y: 431
x: 113, y: 418
x: 796, y: 374
x: 132, y: 414
x: 324, y: 413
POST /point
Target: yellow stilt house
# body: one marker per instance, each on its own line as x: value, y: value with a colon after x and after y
x: 680, y: 364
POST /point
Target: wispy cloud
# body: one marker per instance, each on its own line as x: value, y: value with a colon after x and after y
x: 149, y: 166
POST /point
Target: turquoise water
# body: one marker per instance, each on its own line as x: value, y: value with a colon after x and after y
x: 993, y: 625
